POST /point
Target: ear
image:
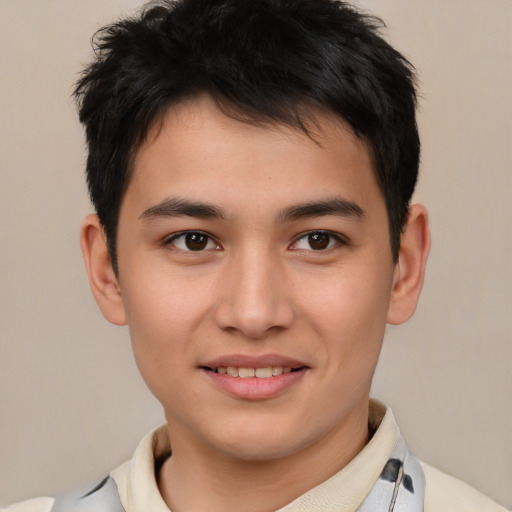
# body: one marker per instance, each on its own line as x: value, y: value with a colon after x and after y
x: 102, y: 278
x: 410, y: 268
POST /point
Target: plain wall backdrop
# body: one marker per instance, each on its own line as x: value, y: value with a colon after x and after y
x: 72, y: 406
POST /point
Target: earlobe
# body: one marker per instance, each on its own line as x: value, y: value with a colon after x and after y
x: 410, y: 268
x: 102, y: 278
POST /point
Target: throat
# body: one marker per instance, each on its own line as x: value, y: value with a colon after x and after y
x: 247, y: 486
x: 199, y: 476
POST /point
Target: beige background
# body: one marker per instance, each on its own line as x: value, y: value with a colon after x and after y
x: 71, y: 403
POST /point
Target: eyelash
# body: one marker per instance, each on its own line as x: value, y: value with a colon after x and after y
x: 332, y: 237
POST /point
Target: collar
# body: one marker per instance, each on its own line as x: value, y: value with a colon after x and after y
x: 378, y: 478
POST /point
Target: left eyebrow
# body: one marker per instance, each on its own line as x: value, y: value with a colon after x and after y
x: 337, y: 206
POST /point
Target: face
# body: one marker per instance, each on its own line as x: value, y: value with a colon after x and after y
x: 255, y: 273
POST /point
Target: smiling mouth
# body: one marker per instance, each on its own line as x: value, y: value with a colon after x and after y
x: 266, y: 372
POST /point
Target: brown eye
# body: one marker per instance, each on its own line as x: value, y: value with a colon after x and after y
x: 193, y: 241
x: 196, y: 241
x: 318, y: 241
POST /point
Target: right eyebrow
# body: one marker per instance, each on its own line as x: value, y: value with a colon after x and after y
x: 178, y: 207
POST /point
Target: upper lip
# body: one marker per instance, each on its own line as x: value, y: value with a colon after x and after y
x: 247, y: 361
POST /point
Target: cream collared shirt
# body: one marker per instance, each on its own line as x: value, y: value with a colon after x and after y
x: 343, y: 492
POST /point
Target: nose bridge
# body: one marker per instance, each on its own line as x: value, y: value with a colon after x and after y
x: 255, y: 300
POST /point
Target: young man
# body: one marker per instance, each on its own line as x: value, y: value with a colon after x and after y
x: 251, y: 164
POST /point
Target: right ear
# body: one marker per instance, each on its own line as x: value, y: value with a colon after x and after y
x: 102, y: 278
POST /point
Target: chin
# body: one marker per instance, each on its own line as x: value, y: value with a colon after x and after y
x: 262, y: 442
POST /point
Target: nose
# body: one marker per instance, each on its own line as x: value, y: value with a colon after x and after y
x: 254, y: 297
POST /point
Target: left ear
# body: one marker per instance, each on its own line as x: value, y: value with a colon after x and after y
x: 410, y: 268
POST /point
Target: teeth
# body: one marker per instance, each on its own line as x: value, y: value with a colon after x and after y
x: 231, y: 370
x: 263, y: 373
x: 246, y: 373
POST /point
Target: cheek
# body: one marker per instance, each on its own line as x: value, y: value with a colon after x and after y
x: 350, y: 314
x: 163, y: 317
x: 163, y: 302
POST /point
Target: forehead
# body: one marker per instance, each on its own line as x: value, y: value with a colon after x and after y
x: 198, y: 151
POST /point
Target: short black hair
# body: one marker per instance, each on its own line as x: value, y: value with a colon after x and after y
x: 261, y: 61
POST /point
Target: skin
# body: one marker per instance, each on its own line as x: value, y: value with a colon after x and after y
x: 258, y: 288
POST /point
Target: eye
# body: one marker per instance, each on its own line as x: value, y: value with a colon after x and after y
x: 317, y: 241
x: 193, y: 241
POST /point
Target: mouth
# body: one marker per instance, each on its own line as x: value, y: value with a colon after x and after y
x: 254, y: 377
x: 265, y: 372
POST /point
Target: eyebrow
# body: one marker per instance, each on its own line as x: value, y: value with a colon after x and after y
x: 337, y: 206
x: 178, y: 207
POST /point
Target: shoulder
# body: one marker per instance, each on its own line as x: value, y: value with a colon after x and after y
x: 444, y: 493
x: 34, y: 505
x: 113, y: 493
x: 104, y: 497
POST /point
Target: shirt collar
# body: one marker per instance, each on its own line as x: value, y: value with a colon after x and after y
x: 343, y: 492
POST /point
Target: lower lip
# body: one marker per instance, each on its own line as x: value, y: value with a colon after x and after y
x: 254, y: 388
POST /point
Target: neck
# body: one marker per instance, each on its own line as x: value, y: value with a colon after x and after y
x: 228, y: 484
